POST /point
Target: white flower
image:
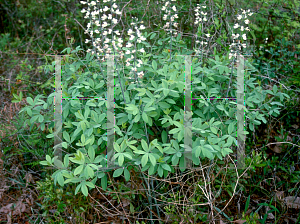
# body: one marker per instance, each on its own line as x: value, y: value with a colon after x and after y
x: 163, y: 8
x: 141, y: 74
x: 247, y: 21
x: 242, y: 28
x: 117, y: 33
x: 104, y: 17
x: 208, y: 35
x: 131, y: 37
x: 244, y: 36
x: 105, y: 24
x: 127, y: 52
x: 86, y: 41
x: 247, y: 29
x: 204, y: 6
x: 250, y: 14
x: 93, y: 3
x: 118, y: 12
x: 235, y: 36
x: 204, y: 19
x: 174, y: 8
x: 83, y: 11
x: 239, y: 17
x: 128, y: 45
x: 142, y: 50
x: 114, y: 20
x: 236, y: 26
x: 114, y: 5
x: 142, y: 27
x: 140, y: 61
x: 82, y: 2
x: 130, y: 32
x: 109, y: 16
x: 120, y: 40
x: 105, y: 9
x: 244, y: 45
x: 127, y: 64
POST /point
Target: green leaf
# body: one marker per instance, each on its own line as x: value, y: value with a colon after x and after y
x: 152, y: 36
x: 84, y: 189
x: 90, y: 171
x: 64, y: 144
x: 275, y: 89
x: 29, y: 111
x: 29, y: 100
x: 166, y: 167
x: 44, y: 106
x: 90, y: 184
x: 160, y: 171
x: 154, y: 65
x: 117, y: 147
x: 152, y: 159
x: 66, y: 161
x: 48, y: 158
x: 78, y: 170
x: 144, y: 159
x: 126, y: 174
x: 137, y: 118
x: 118, y: 172
x: 144, y: 145
x: 175, y: 130
x: 66, y: 136
x: 91, y: 152
x: 83, y: 139
x: 230, y: 128
x: 121, y: 159
x: 50, y: 135
x: 164, y: 136
x: 207, y: 153
x: 214, y: 130
x: 145, y: 117
x: 33, y: 119
x: 77, y: 188
x: 60, y: 179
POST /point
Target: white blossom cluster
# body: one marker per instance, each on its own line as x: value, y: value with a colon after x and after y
x: 201, y: 17
x: 168, y: 16
x: 243, y: 21
x: 104, y: 22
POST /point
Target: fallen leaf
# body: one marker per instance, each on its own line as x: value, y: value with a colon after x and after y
x: 292, y: 202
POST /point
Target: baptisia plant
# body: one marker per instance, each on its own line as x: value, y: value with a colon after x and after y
x: 152, y: 108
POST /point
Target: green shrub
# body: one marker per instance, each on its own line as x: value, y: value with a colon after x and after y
x: 157, y: 102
